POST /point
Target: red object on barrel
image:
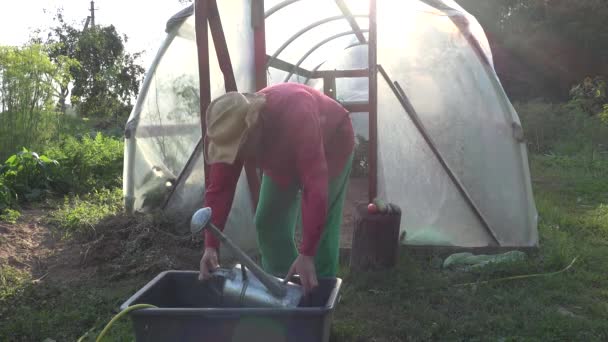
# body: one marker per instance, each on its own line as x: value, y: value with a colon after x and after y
x: 372, y: 208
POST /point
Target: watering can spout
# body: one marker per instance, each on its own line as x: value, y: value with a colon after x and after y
x: 202, y: 220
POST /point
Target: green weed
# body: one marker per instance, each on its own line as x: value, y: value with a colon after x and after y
x: 12, y: 281
x: 417, y: 301
x: 78, y: 215
x: 9, y: 215
x: 34, y: 312
x: 87, y: 163
x: 562, y: 129
x: 27, y: 176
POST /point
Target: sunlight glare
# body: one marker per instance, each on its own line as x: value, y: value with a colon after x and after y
x: 358, y: 6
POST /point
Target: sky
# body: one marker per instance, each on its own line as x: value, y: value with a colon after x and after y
x: 143, y: 21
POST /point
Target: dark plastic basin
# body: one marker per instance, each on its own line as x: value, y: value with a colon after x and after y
x: 188, y: 311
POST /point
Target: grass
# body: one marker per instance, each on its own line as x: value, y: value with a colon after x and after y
x: 36, y: 311
x: 416, y: 301
x: 78, y: 215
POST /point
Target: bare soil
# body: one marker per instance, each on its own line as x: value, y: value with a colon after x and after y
x: 123, y: 246
x: 28, y: 245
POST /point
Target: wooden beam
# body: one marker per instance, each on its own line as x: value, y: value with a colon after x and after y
x: 150, y: 131
x: 356, y: 107
x: 288, y: 67
x: 341, y: 73
x: 259, y: 43
x: 373, y: 102
x: 329, y: 86
x: 260, y: 58
x: 221, y: 48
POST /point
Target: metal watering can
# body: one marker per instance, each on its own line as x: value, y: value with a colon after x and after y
x: 246, y: 284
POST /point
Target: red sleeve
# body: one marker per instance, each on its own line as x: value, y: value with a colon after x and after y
x: 311, y: 167
x: 219, y: 194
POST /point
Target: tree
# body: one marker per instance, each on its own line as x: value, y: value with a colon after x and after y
x: 28, y: 84
x: 107, y: 78
x: 544, y: 47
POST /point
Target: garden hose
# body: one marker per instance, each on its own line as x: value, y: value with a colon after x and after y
x: 518, y: 277
x: 498, y: 280
x: 115, y: 318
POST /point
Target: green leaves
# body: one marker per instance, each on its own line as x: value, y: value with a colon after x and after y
x: 541, y: 48
x: 7, y: 196
x: 105, y: 77
x: 88, y: 163
x: 78, y: 215
x: 26, y: 176
x: 29, y: 80
x: 604, y: 114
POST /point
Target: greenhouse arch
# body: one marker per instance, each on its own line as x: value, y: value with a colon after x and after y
x: 445, y: 142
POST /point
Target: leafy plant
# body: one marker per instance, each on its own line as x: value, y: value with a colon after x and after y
x: 7, y: 195
x: 562, y: 129
x: 9, y: 215
x: 590, y: 95
x: 27, y: 89
x: 28, y: 175
x: 88, y: 163
x: 11, y: 281
x: 604, y: 114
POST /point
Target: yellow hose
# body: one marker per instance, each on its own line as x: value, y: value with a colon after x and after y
x: 120, y: 314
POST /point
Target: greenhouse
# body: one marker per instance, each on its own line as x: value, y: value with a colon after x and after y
x: 445, y: 143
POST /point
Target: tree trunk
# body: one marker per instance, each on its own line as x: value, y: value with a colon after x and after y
x: 375, y: 239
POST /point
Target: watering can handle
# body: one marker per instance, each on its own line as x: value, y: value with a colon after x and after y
x: 274, y: 286
x: 222, y: 272
x: 202, y: 220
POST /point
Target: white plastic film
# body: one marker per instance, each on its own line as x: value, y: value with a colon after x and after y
x: 168, y: 125
x: 462, y: 110
x: 458, y: 98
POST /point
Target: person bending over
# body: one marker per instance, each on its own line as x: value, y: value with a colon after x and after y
x: 303, y: 142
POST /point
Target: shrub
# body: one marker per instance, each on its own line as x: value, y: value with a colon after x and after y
x: 79, y: 215
x: 590, y: 95
x: 7, y: 196
x: 88, y: 163
x: 27, y: 176
x: 562, y: 129
x: 9, y: 215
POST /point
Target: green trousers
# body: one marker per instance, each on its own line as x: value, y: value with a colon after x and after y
x: 276, y: 218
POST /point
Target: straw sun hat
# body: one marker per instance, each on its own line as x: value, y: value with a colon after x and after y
x: 230, y: 117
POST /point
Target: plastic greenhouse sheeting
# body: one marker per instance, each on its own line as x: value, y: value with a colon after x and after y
x: 457, y: 95
x: 465, y: 111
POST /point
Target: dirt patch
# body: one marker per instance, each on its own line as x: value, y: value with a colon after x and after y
x: 27, y: 244
x: 122, y: 246
x: 129, y: 245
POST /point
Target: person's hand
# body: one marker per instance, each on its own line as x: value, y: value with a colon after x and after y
x: 208, y: 263
x: 304, y: 266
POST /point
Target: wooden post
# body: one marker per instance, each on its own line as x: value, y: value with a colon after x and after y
x: 201, y: 11
x: 373, y: 102
x: 259, y: 53
x: 329, y: 86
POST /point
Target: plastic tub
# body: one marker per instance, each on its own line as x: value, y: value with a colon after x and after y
x: 188, y: 311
